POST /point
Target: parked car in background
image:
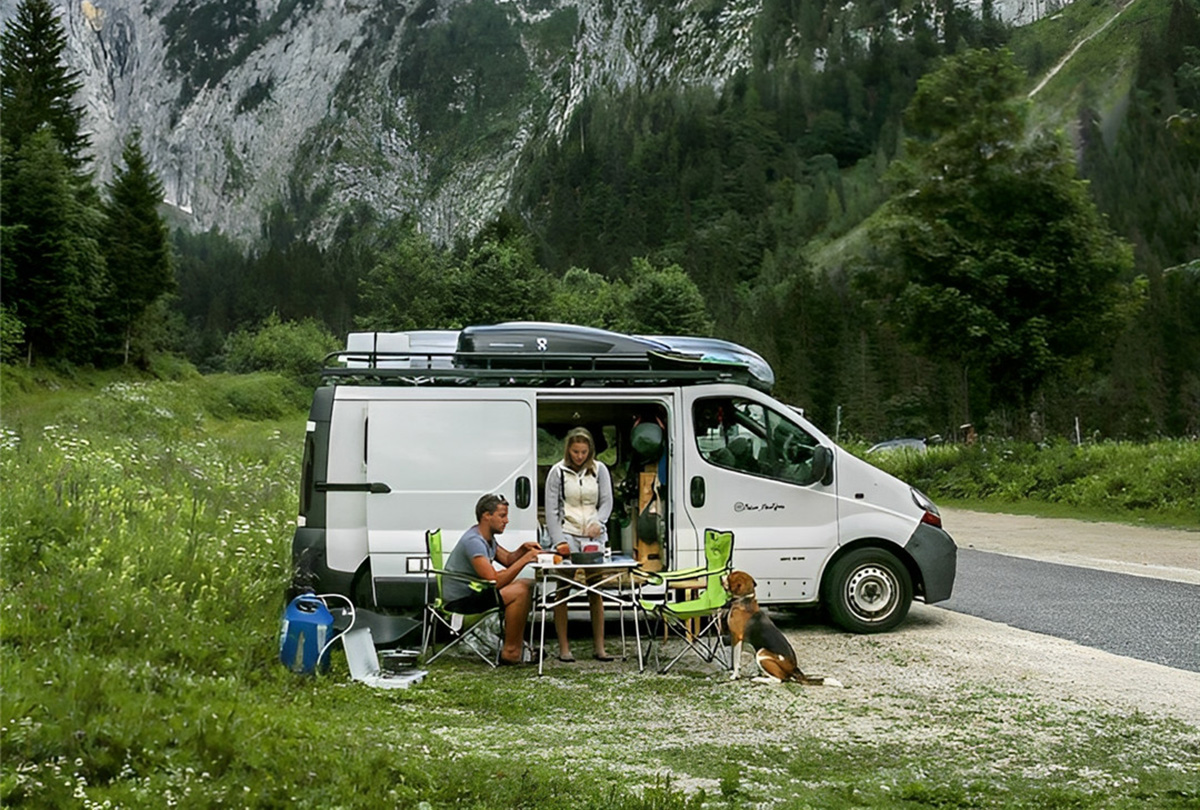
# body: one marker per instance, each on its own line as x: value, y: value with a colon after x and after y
x: 891, y: 445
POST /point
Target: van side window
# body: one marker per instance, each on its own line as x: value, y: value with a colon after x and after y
x: 741, y: 435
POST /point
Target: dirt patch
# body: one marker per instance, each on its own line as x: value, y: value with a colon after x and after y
x: 941, y: 670
x: 937, y: 652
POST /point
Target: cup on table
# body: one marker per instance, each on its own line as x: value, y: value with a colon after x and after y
x: 545, y: 558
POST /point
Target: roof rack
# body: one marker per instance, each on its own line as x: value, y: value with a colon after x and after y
x: 534, y: 369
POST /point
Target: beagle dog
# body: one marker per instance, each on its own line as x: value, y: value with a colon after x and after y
x: 748, y: 622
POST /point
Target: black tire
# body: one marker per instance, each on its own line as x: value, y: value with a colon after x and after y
x: 361, y: 593
x: 867, y: 591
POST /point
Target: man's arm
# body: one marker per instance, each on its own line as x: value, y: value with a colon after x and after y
x: 513, y: 562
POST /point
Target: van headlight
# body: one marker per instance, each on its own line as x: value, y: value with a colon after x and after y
x: 932, y: 516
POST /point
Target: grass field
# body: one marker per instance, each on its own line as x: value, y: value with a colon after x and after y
x: 145, y: 542
x: 1155, y: 484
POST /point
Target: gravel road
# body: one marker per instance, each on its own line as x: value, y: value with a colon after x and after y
x: 938, y: 652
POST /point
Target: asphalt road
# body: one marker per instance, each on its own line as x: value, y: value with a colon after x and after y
x: 1150, y: 619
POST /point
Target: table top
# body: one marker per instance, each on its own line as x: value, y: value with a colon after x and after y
x: 617, y: 561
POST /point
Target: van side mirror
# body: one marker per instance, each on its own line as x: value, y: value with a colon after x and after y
x: 822, y: 464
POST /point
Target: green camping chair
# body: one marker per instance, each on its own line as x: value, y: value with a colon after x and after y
x: 706, y: 610
x: 461, y: 627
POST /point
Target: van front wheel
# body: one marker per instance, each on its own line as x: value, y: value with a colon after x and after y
x: 868, y: 591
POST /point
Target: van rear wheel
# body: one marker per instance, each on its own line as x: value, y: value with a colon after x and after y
x: 868, y: 591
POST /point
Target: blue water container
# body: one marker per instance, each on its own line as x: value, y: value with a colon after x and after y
x: 307, y: 625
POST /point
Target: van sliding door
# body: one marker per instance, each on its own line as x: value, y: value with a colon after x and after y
x: 438, y: 455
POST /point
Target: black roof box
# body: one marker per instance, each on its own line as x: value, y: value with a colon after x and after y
x: 722, y: 351
x: 542, y: 353
x: 538, y: 337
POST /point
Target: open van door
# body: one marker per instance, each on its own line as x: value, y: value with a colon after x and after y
x: 437, y: 455
x: 752, y: 467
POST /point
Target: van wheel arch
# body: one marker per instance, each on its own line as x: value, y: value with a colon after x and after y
x: 868, y: 586
x: 361, y: 593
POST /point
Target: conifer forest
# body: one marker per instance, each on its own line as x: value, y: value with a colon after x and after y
x: 913, y: 240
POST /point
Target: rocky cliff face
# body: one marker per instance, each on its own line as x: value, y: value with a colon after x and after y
x: 417, y: 107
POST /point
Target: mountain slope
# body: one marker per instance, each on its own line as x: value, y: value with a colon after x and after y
x: 418, y: 108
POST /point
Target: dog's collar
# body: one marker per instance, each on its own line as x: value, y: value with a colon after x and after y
x: 746, y: 597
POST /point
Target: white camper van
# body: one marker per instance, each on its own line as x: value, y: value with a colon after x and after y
x: 399, y: 442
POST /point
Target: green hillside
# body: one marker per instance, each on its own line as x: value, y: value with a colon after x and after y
x: 782, y: 208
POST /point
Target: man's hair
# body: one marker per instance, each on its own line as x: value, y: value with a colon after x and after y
x: 488, y: 504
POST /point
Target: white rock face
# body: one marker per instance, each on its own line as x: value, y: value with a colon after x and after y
x: 307, y: 109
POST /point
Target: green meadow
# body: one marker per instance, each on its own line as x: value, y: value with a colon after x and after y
x: 145, y: 540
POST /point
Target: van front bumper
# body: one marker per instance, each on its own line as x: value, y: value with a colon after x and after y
x: 936, y: 556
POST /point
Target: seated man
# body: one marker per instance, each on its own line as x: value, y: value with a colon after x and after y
x: 474, y: 555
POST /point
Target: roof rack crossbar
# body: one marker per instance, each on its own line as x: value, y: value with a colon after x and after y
x: 422, y: 368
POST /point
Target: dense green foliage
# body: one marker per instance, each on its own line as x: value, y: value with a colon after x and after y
x: 53, y: 269
x: 145, y: 542
x: 994, y: 299
x: 82, y: 276
x: 38, y: 89
x: 136, y: 244
x: 461, y: 77
x: 993, y: 255
x: 294, y: 348
x: 1158, y: 482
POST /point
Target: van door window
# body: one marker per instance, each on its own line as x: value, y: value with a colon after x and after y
x: 742, y: 435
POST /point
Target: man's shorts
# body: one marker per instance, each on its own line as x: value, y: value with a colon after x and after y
x: 477, y: 602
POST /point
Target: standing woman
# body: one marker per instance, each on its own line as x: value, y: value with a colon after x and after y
x: 578, y: 502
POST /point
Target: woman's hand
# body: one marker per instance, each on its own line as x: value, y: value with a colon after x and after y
x: 593, y: 530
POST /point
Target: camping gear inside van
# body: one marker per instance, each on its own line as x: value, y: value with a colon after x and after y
x: 694, y: 441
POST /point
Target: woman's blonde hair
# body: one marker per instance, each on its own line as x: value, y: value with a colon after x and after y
x: 574, y: 436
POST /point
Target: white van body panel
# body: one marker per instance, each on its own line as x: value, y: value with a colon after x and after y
x: 347, y: 511
x: 872, y: 503
x: 427, y: 445
x: 437, y: 450
x: 783, y: 531
x: 391, y: 462
x: 438, y: 456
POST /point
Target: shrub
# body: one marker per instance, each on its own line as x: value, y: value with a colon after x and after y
x: 1159, y: 481
x: 12, y: 336
x: 256, y: 397
x: 291, y: 348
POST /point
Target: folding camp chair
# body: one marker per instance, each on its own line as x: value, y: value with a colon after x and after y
x: 707, y: 609
x: 469, y: 629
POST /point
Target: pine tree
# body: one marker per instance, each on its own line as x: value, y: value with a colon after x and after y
x: 38, y: 89
x: 52, y: 266
x: 664, y: 301
x: 136, y: 242
x: 996, y: 257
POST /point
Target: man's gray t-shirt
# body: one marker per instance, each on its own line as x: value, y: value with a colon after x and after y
x: 470, y: 546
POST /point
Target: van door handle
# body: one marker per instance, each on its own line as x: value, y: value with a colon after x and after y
x: 523, y: 491
x: 697, y: 491
x: 376, y: 487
